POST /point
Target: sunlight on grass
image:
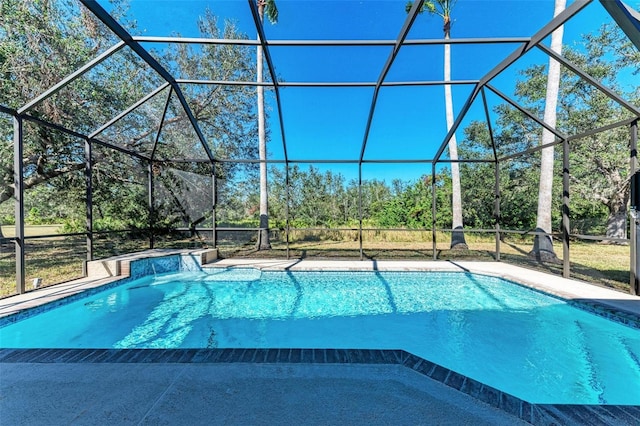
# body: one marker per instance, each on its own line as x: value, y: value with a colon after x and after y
x: 9, y: 231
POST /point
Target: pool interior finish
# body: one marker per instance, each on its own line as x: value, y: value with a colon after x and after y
x: 523, y: 342
x: 503, y: 400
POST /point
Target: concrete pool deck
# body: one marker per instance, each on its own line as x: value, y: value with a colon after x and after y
x: 233, y: 394
x: 125, y: 387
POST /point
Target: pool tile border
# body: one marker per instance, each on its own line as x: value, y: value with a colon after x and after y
x: 536, y: 414
x: 52, y: 304
x: 623, y: 317
x: 141, y: 267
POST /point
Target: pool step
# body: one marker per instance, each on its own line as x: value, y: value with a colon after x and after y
x: 611, y: 377
x: 590, y: 363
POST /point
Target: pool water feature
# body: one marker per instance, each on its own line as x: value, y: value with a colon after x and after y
x: 528, y: 344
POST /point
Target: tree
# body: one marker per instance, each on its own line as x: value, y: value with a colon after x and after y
x: 408, y: 204
x: 518, y: 202
x: 543, y: 245
x: 607, y: 54
x: 225, y: 114
x: 319, y: 199
x: 604, y: 55
x: 268, y: 8
x: 599, y: 163
x: 35, y: 53
x: 443, y: 8
x: 42, y: 42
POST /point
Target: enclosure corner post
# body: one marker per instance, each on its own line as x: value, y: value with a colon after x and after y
x: 214, y: 206
x: 360, y: 209
x: 496, y: 162
x: 88, y: 178
x: 566, y: 268
x: 18, y: 192
x: 286, y: 206
x: 151, y: 203
x: 497, y: 208
x: 634, y: 287
x: 433, y: 212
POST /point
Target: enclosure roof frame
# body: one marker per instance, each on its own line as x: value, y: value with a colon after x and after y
x: 404, y: 31
x: 626, y: 18
x: 536, y: 39
x: 272, y: 70
x: 124, y: 35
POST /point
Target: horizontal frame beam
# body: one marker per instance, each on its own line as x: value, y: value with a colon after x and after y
x: 327, y: 161
x: 54, y: 126
x: 570, y: 138
x: 328, y: 43
x: 602, y: 129
x: 326, y: 84
x: 71, y: 77
x: 530, y: 150
x: 7, y: 110
x: 119, y: 149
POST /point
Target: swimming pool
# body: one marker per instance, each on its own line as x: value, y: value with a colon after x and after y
x: 533, y: 346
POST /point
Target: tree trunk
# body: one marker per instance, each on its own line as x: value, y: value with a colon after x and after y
x: 617, y: 219
x: 543, y: 246
x: 457, y: 237
x: 263, y: 234
x: 617, y: 225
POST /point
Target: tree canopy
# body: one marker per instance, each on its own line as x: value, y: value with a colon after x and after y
x: 42, y: 42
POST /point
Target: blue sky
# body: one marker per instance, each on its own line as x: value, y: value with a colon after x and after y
x: 409, y: 122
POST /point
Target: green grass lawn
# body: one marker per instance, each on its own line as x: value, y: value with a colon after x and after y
x: 59, y: 259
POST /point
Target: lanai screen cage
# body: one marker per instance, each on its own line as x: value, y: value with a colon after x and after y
x: 140, y: 128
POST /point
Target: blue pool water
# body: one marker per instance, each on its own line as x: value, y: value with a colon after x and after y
x: 528, y: 344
